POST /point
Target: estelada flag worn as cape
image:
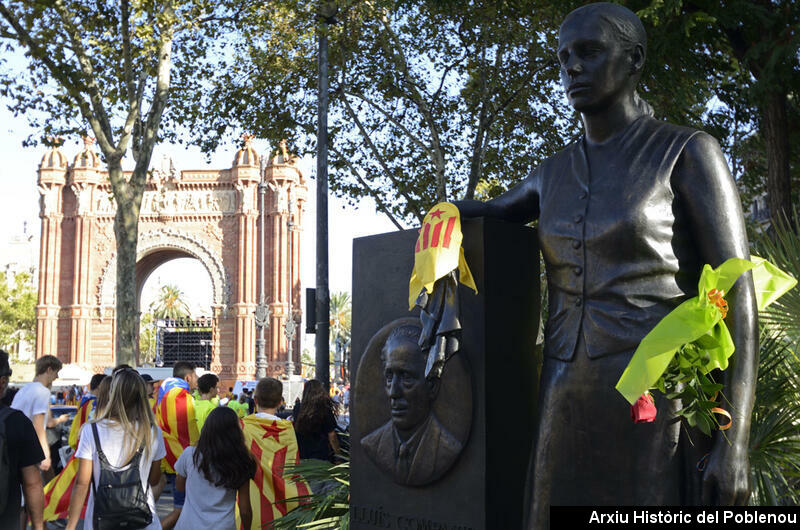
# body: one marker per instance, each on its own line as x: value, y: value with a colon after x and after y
x: 58, y: 491
x: 175, y: 415
x: 274, y: 445
x: 438, y: 251
x: 81, y: 417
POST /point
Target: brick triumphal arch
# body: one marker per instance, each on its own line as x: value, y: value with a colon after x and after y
x: 210, y: 215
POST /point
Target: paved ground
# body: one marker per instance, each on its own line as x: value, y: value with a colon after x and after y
x: 164, y: 504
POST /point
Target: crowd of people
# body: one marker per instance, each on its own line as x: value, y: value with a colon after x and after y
x: 134, y: 438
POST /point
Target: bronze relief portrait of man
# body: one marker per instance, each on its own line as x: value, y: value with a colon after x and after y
x: 415, y: 427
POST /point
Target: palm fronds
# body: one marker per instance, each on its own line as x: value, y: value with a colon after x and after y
x: 781, y: 245
x: 775, y: 427
x: 328, y: 506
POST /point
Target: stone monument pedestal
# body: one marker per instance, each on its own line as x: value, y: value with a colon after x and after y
x: 488, y: 390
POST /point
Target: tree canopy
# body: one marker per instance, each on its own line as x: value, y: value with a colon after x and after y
x: 106, y: 67
x: 428, y: 98
x: 435, y: 99
x: 341, y: 316
x: 17, y: 309
x: 170, y: 303
x: 732, y: 69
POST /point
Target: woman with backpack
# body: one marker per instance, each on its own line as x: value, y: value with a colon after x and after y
x: 213, y: 472
x: 120, y: 454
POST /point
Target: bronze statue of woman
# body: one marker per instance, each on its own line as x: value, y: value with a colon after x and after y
x: 628, y: 214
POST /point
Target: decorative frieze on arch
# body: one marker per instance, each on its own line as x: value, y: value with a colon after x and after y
x: 170, y: 239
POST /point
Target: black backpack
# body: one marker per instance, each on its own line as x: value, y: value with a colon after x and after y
x: 119, y: 500
x: 5, y: 465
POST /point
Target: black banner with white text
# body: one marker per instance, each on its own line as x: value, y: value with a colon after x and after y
x: 751, y: 517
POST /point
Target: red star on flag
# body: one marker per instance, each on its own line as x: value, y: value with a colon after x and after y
x: 272, y: 430
x: 437, y: 213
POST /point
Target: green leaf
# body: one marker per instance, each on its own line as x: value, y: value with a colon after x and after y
x: 703, y: 423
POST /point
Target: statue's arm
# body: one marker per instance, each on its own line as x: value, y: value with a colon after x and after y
x: 520, y: 204
x: 704, y: 184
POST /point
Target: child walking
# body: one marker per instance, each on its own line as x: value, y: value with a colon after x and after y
x: 213, y: 472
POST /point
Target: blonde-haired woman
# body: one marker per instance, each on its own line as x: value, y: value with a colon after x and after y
x: 123, y: 428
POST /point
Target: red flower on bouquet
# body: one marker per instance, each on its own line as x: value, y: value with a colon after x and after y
x: 644, y: 410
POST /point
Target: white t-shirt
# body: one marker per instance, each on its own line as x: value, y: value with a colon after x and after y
x: 33, y: 399
x: 112, y: 441
x: 207, y: 505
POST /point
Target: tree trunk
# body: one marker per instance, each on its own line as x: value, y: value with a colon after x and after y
x: 478, y: 152
x: 774, y: 127
x: 126, y: 229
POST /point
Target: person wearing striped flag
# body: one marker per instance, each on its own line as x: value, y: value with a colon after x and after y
x: 58, y: 491
x: 274, y: 445
x: 175, y: 416
x: 85, y: 408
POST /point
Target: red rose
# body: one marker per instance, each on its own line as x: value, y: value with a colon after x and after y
x: 644, y: 410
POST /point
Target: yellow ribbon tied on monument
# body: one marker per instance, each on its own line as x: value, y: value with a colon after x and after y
x: 699, y: 320
x: 438, y: 251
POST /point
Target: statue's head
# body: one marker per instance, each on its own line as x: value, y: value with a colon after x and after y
x: 410, y: 394
x: 601, y: 49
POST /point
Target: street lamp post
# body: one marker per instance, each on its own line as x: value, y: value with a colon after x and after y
x: 291, y: 325
x: 327, y: 14
x: 262, y: 312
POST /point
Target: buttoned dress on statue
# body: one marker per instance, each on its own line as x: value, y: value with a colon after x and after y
x: 619, y: 256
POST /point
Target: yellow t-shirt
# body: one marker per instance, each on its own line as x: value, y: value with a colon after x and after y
x: 202, y: 408
x: 240, y: 408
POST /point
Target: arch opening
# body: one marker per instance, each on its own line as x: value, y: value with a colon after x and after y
x: 165, y: 245
x: 175, y: 297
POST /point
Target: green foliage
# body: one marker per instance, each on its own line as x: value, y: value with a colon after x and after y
x: 775, y: 429
x: 97, y: 65
x: 781, y: 245
x: 309, y: 364
x: 687, y: 380
x: 341, y: 312
x: 106, y: 66
x: 170, y: 303
x: 17, y: 309
x: 328, y: 506
x: 428, y: 98
x: 730, y: 68
x: 147, y: 338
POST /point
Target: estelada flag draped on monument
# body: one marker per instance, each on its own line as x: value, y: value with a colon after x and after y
x: 175, y: 415
x: 58, y: 491
x: 274, y: 445
x: 438, y: 251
